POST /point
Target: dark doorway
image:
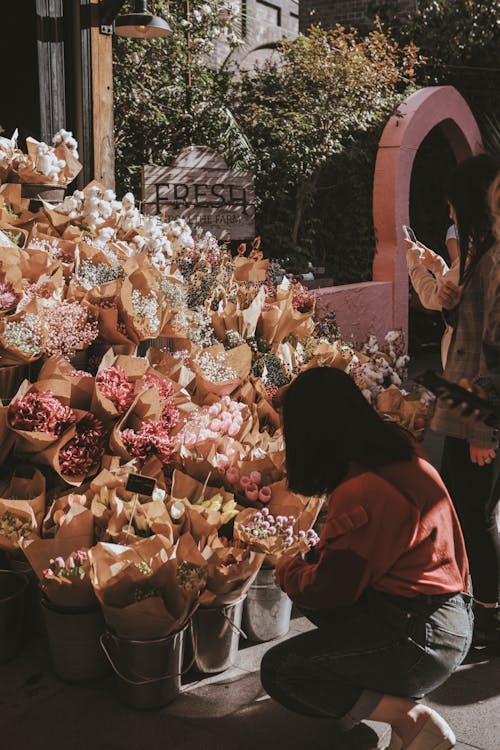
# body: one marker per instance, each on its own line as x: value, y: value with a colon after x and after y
x: 429, y: 217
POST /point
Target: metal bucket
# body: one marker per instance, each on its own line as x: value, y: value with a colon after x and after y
x: 13, y: 588
x: 267, y: 610
x: 34, y: 621
x: 74, y: 641
x: 148, y: 673
x: 215, y: 636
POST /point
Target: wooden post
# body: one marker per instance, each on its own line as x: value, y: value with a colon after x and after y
x: 101, y: 61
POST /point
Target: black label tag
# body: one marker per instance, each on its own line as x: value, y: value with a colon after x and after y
x: 24, y: 471
x: 140, y: 484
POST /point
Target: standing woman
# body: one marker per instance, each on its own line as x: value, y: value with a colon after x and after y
x: 387, y: 584
x: 470, y: 447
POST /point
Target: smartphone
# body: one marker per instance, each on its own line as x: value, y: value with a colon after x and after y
x: 409, y: 233
x: 443, y: 388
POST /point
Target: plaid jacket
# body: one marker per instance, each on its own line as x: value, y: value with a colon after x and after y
x: 475, y: 348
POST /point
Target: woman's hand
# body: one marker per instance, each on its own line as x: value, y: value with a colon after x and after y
x: 449, y: 295
x: 481, y: 456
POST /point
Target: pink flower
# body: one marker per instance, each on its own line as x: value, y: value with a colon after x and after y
x: 245, y: 481
x: 40, y: 412
x: 83, y: 453
x: 256, y: 476
x: 232, y: 475
x: 164, y: 387
x: 252, y: 492
x: 233, y: 429
x: 215, y: 409
x: 216, y: 425
x: 114, y: 385
x: 8, y: 296
x: 189, y: 439
x: 265, y: 494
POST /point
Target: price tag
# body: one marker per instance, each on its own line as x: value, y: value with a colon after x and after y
x: 24, y: 471
x: 140, y: 484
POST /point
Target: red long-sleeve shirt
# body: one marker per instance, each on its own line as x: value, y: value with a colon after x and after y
x: 394, y: 530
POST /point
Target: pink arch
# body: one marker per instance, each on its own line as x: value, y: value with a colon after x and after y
x: 402, y: 136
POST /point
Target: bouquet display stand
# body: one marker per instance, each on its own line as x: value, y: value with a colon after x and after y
x: 148, y: 673
x: 267, y: 610
x: 215, y: 637
x: 13, y: 587
x: 73, y: 634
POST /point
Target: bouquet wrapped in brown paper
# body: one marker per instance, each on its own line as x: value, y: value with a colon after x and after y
x: 132, y: 521
x: 141, y: 302
x: 408, y: 411
x: 39, y: 414
x: 115, y: 381
x: 22, y: 337
x: 198, y: 508
x: 232, y: 568
x: 284, y: 527
x: 146, y: 429
x: 27, y: 485
x: 64, y: 579
x: 250, y: 269
x: 78, y: 453
x: 220, y: 372
x: 17, y: 522
x: 81, y: 383
x: 70, y: 520
x: 150, y: 589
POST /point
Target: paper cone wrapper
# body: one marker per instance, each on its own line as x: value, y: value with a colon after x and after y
x: 61, y: 592
x: 225, y: 585
x: 77, y: 529
x: 146, y: 406
x: 35, y: 442
x: 134, y: 367
x: 81, y: 387
x: 115, y: 575
x: 30, y: 491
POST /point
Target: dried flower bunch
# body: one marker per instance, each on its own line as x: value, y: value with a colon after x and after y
x: 82, y: 454
x: 215, y: 368
x: 264, y: 525
x: 40, y: 412
x: 24, y: 335
x: 191, y: 577
x: 8, y: 297
x: 115, y: 386
x: 14, y: 528
x: 95, y: 274
x: 69, y: 329
x: 146, y: 307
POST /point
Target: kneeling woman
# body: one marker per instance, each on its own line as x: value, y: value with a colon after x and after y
x: 386, y: 586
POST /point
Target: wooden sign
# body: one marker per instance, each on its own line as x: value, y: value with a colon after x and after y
x: 200, y: 187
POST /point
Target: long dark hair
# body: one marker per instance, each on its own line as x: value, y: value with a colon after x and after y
x: 468, y: 194
x: 328, y: 424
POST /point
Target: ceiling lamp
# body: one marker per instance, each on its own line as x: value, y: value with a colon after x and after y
x: 139, y: 25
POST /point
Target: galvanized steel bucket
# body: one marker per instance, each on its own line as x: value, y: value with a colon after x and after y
x: 13, y: 587
x: 74, y: 635
x: 148, y: 673
x: 267, y: 610
x: 215, y: 636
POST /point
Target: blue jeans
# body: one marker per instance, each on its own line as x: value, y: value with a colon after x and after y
x: 382, y: 645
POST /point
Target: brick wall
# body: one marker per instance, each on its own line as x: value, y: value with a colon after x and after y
x: 347, y: 12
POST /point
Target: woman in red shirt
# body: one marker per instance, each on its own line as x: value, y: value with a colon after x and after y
x: 388, y: 583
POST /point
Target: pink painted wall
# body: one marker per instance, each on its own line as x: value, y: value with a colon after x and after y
x: 361, y: 309
x: 377, y: 306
